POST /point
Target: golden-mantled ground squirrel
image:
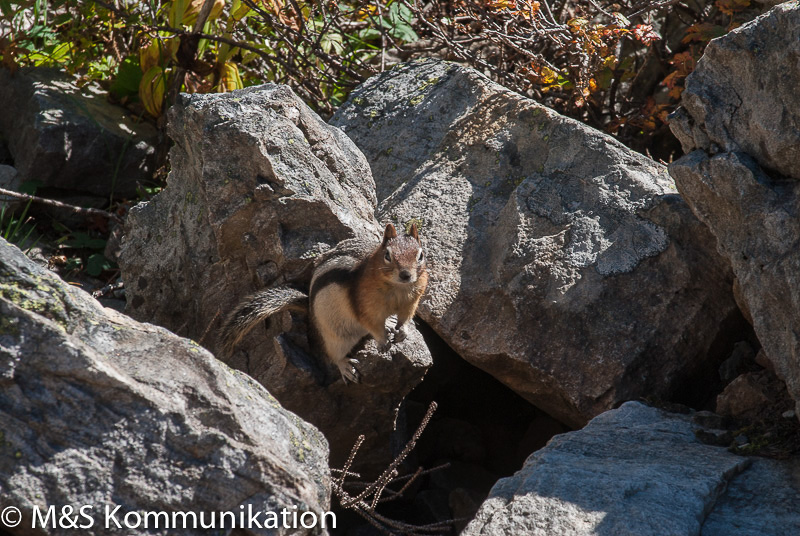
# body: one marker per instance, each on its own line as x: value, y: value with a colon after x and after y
x: 349, y: 299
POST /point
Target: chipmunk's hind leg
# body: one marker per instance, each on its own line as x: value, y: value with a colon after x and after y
x: 333, y: 350
x: 337, y: 329
x: 349, y: 371
x: 338, y: 353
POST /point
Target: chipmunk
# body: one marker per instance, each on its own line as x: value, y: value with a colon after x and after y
x: 348, y: 299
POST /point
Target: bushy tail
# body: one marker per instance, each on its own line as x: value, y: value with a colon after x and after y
x: 256, y: 308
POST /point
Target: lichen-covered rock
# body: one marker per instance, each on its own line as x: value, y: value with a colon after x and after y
x: 66, y: 138
x: 562, y: 263
x: 639, y: 471
x: 741, y: 122
x: 259, y: 187
x: 98, y: 409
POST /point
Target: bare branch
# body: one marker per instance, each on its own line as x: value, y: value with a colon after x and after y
x: 59, y: 204
x: 376, y: 489
x: 345, y: 470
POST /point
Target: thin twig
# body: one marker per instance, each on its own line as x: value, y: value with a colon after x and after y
x: 390, y: 471
x: 59, y: 204
x: 367, y: 510
x: 653, y: 6
x: 345, y: 470
x: 396, y: 494
x: 208, y: 328
x: 180, y: 72
x: 349, y: 473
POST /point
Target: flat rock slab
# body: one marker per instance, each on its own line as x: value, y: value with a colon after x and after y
x: 562, y: 263
x: 259, y: 188
x: 740, y: 124
x: 762, y: 501
x: 636, y: 471
x: 98, y: 409
x: 66, y: 138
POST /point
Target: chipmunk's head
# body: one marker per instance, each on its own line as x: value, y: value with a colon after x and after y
x: 402, y: 256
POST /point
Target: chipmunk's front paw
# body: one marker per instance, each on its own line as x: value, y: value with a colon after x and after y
x: 349, y: 372
x: 400, y: 333
x: 385, y: 342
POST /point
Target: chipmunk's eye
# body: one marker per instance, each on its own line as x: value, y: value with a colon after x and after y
x: 421, y: 256
x: 387, y: 256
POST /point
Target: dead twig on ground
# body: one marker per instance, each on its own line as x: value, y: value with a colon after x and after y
x: 59, y: 204
x: 365, y: 501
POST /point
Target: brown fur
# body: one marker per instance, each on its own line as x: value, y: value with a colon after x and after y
x: 255, y: 309
x: 350, y: 298
x: 379, y: 294
x: 369, y: 292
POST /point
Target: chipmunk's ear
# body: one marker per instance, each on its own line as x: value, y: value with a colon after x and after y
x: 389, y: 233
x: 413, y: 232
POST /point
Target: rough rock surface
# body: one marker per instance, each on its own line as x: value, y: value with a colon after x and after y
x: 741, y: 122
x: 260, y: 186
x: 9, y: 180
x: 562, y: 263
x: 67, y: 138
x: 762, y: 501
x: 742, y: 97
x: 638, y: 471
x: 750, y: 394
x: 741, y: 360
x: 98, y: 409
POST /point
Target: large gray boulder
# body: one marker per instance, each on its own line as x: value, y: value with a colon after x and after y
x: 70, y: 138
x: 639, y: 471
x: 562, y: 263
x: 98, y: 409
x: 740, y: 125
x: 259, y: 187
x: 742, y: 96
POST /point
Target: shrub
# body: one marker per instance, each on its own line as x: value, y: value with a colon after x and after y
x: 619, y: 65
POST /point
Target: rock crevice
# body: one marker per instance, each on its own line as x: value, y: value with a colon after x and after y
x: 741, y: 176
x: 562, y: 263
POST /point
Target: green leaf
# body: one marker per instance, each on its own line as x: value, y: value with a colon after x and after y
x: 13, y: 225
x: 5, y: 8
x: 61, y: 51
x: 369, y: 34
x: 29, y: 187
x: 129, y: 76
x: 83, y: 240
x: 61, y: 228
x: 177, y: 9
x: 152, y: 90
x: 604, y: 78
x: 62, y: 19
x: 239, y: 10
x: 73, y: 263
x: 39, y: 31
x: 96, y: 264
x: 405, y: 33
x: 332, y: 43
x: 400, y: 17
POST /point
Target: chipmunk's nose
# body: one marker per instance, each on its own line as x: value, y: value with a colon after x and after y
x: 405, y: 276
